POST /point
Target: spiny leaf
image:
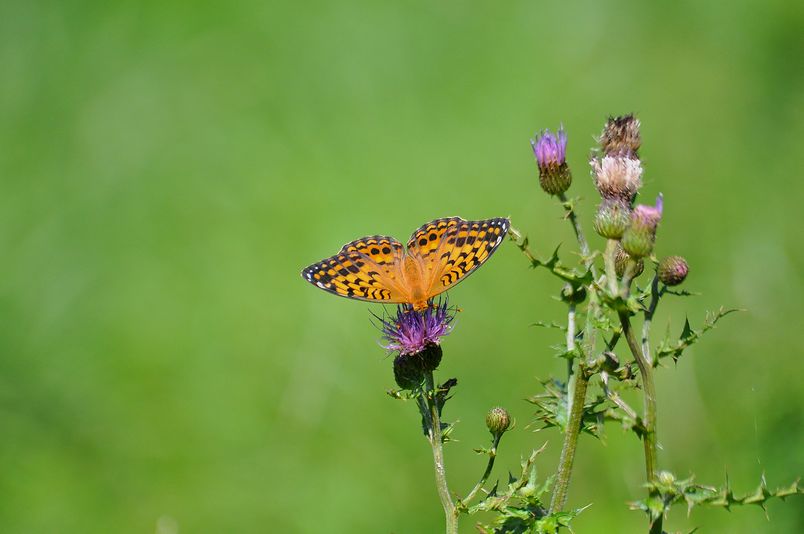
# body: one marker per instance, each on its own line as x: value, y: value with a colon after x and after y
x: 689, y: 335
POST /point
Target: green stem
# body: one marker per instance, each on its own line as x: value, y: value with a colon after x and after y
x: 655, y: 294
x: 570, y: 441
x: 570, y: 349
x: 487, y: 472
x: 611, y: 272
x: 576, y: 226
x: 649, y: 399
x: 433, y: 421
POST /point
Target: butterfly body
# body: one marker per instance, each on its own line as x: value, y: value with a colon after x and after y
x: 438, y: 255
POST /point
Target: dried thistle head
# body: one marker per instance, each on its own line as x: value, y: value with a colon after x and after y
x: 621, y: 137
x: 617, y: 177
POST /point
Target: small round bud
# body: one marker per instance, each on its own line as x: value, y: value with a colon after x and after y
x: 498, y: 420
x: 431, y: 357
x: 551, y: 152
x: 620, y: 136
x: 613, y: 218
x: 666, y: 478
x: 408, y: 371
x: 621, y: 259
x: 572, y: 295
x: 673, y: 270
x: 638, y: 240
x: 617, y: 176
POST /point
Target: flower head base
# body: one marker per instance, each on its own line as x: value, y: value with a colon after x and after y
x: 498, y: 420
x: 551, y: 156
x: 612, y: 218
x: 410, y: 331
x: 617, y: 177
x: 621, y: 136
x: 621, y: 261
x: 673, y: 270
x: 638, y: 240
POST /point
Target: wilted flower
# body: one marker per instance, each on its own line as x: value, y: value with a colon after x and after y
x: 673, y: 270
x: 612, y: 218
x: 551, y: 156
x: 617, y: 177
x: 410, y: 331
x: 498, y: 420
x: 639, y: 238
x: 621, y: 137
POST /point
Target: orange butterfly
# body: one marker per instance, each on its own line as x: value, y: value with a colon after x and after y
x: 439, y: 255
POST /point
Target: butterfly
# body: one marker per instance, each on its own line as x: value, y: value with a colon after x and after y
x: 438, y: 255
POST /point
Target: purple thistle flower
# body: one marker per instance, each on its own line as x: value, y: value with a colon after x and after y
x: 551, y: 156
x: 649, y: 216
x: 550, y: 150
x: 410, y: 332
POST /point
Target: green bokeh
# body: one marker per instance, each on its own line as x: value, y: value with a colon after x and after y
x: 169, y: 167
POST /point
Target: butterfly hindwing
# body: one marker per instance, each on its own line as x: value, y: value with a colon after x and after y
x: 458, y: 249
x: 365, y: 269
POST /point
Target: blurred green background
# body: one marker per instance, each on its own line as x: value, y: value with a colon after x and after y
x: 169, y: 167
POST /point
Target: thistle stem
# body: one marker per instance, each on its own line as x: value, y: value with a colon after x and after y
x: 649, y: 399
x: 434, y: 436
x: 576, y: 226
x: 611, y: 272
x: 655, y: 294
x: 487, y: 472
x: 570, y: 349
x: 570, y: 441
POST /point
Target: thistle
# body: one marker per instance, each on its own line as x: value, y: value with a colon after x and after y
x: 621, y: 137
x: 411, y: 332
x: 617, y: 177
x: 638, y: 240
x: 672, y: 270
x: 613, y: 218
x: 551, y: 154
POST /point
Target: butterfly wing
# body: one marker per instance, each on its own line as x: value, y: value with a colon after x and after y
x: 451, y: 249
x: 365, y: 269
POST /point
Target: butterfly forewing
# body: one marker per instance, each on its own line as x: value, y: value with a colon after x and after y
x: 451, y: 249
x: 365, y: 269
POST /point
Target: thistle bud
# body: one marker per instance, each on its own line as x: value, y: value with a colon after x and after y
x: 673, y: 270
x: 621, y: 259
x: 498, y: 420
x: 551, y: 154
x: 613, y: 217
x: 573, y: 295
x: 617, y: 177
x: 667, y: 478
x: 638, y: 240
x: 408, y: 372
x: 621, y: 137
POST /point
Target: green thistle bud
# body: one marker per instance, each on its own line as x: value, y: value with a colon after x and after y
x: 673, y: 270
x: 620, y: 136
x: 666, y: 478
x: 498, y: 420
x: 638, y: 240
x: 613, y: 218
x: 621, y: 259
